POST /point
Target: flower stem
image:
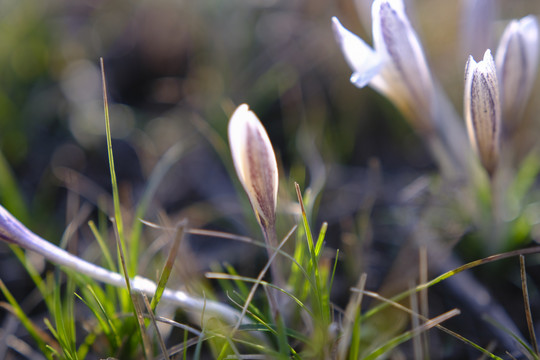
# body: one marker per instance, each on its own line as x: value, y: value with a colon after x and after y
x: 14, y: 232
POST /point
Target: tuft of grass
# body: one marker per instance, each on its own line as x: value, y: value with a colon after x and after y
x: 44, y: 342
x: 119, y: 227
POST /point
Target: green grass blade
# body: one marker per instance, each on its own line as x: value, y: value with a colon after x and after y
x: 31, y: 270
x: 51, y: 328
x: 307, y: 229
x: 69, y: 314
x: 448, y: 274
x: 240, y: 299
x: 525, y: 346
x: 258, y: 281
x: 62, y: 318
x: 84, y: 348
x: 394, y: 342
x: 167, y: 268
x: 184, y: 355
x: 397, y: 305
x: 103, y: 247
x: 331, y: 282
x: 321, y: 296
x: 118, y: 223
x: 39, y: 336
x: 320, y: 240
x: 242, y: 288
x: 105, y: 321
x: 198, y: 348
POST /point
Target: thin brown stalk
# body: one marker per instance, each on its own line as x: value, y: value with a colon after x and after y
x: 415, y: 321
x: 527, y: 304
x: 446, y: 275
x: 146, y: 343
x: 510, y: 356
x: 258, y: 281
x: 150, y: 312
x: 347, y: 344
x: 424, y: 304
x: 393, y: 302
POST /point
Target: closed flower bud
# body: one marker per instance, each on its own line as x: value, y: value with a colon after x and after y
x: 483, y: 110
x: 255, y: 163
x: 396, y: 67
x: 517, y: 61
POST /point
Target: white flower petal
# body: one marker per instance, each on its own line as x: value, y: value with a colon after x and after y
x: 517, y: 62
x: 362, y: 59
x: 405, y: 65
x: 255, y: 162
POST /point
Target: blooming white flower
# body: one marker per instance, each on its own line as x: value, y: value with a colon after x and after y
x: 396, y: 66
x: 483, y: 110
x: 255, y: 163
x: 517, y: 62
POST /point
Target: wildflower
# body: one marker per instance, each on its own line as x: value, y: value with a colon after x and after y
x: 517, y: 60
x: 396, y: 66
x: 483, y: 110
x: 255, y: 164
x: 256, y: 167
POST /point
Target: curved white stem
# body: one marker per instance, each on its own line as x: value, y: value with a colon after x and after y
x: 14, y: 232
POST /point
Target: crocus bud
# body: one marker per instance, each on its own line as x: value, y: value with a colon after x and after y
x: 483, y: 110
x: 255, y: 163
x: 396, y: 67
x: 517, y: 61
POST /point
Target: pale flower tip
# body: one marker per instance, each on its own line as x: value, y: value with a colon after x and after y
x: 242, y: 107
x: 362, y: 79
x: 336, y: 24
x: 396, y: 5
x: 362, y: 59
x: 487, y: 65
x: 529, y: 26
x: 338, y: 30
x: 385, y: 8
x: 239, y: 114
x: 470, y: 65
